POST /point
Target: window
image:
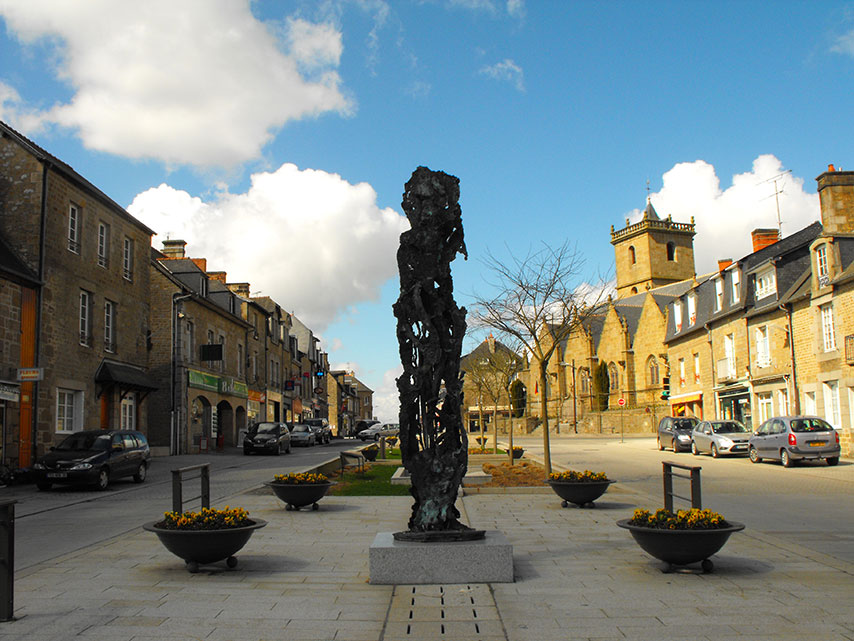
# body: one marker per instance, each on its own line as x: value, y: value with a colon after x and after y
x: 255, y: 365
x: 69, y: 410
x: 692, y: 309
x: 127, y: 259
x: 677, y: 315
x: 74, y: 228
x: 222, y: 360
x: 782, y: 402
x: 766, y: 283
x: 129, y: 412
x: 85, y: 325
x: 696, y: 368
x: 109, y: 326
x: 632, y: 255
x: 584, y: 375
x: 809, y: 403
x: 103, y: 244
x: 827, y: 329
x: 763, y: 353
x: 735, y: 280
x: 240, y: 363
x: 681, y: 372
x: 190, y: 342
x: 671, y: 251
x: 231, y: 304
x: 652, y: 370
x: 613, y: 378
x: 821, y: 263
x: 719, y: 294
x: 831, y: 403
x: 765, y: 403
x: 729, y: 354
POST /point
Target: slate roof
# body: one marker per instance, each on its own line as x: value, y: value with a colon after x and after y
x: 14, y: 268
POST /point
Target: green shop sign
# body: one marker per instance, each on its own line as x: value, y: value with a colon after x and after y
x: 221, y: 385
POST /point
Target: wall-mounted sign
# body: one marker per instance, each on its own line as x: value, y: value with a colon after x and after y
x: 31, y: 374
x: 10, y: 393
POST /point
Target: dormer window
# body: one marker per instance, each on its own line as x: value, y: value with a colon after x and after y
x: 821, y: 265
x: 766, y: 283
x: 677, y: 315
x: 735, y: 280
x: 719, y: 294
x: 692, y: 309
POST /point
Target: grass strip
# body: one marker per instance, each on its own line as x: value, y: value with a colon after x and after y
x: 374, y: 481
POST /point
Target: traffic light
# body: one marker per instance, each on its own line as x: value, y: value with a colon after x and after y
x: 665, y: 388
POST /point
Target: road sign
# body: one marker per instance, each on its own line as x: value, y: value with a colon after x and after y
x: 621, y: 402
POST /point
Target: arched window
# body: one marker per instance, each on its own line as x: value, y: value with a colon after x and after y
x: 671, y: 251
x: 584, y: 381
x: 613, y: 378
x: 652, y: 371
x: 634, y: 290
x: 632, y: 254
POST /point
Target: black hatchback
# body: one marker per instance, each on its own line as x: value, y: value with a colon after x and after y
x: 94, y: 457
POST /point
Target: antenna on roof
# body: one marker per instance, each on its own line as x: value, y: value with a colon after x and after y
x: 776, y: 195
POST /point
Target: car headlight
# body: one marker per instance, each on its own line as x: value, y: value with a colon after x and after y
x: 81, y: 466
x: 684, y: 437
x: 725, y: 442
x: 38, y: 466
x: 271, y: 440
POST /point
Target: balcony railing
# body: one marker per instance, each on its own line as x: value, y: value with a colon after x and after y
x: 726, y: 370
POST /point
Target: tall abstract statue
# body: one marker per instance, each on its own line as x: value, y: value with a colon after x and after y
x: 430, y: 330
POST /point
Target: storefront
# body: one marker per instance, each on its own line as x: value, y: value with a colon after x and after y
x: 687, y: 405
x: 256, y: 406
x: 734, y: 405
x: 218, y: 411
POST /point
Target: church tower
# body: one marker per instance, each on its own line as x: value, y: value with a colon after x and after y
x: 652, y: 252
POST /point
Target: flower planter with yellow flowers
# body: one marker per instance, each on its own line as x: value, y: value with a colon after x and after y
x: 299, y: 490
x: 579, y: 488
x: 200, y: 538
x: 683, y: 538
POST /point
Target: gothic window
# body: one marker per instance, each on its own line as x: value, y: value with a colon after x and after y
x: 652, y: 371
x: 584, y: 378
x: 613, y: 378
x: 671, y: 251
x: 632, y: 254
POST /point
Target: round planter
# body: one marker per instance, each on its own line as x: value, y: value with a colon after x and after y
x: 681, y: 547
x: 518, y: 453
x: 579, y: 493
x: 301, y: 494
x: 370, y: 453
x: 200, y: 547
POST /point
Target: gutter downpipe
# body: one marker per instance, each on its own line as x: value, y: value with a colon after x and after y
x: 175, y: 411
x: 796, y: 397
x: 46, y: 165
x: 714, y: 374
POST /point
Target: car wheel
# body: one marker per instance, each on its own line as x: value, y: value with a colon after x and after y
x: 245, y: 452
x: 141, y: 471
x: 658, y: 444
x: 103, y: 479
x: 785, y: 459
x: 674, y: 446
x: 44, y: 486
x: 754, y: 455
x: 715, y: 453
x: 694, y: 449
x: 278, y: 449
x: 288, y: 450
x: 833, y: 460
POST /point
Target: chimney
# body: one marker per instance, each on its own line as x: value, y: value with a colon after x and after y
x: 491, y: 342
x: 836, y: 194
x: 762, y: 238
x: 201, y: 263
x: 723, y: 263
x: 241, y: 289
x: 174, y: 248
x: 220, y: 276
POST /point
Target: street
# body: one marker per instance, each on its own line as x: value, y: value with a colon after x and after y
x: 64, y: 519
x: 808, y: 505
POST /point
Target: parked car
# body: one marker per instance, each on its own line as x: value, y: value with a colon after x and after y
x: 675, y: 432
x: 719, y: 437
x: 375, y: 431
x: 790, y: 439
x: 94, y: 457
x: 273, y: 438
x: 363, y: 425
x: 321, y: 429
x: 302, y: 434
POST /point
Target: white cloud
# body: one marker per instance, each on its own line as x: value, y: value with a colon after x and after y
x: 199, y: 82
x: 310, y: 240
x: 724, y: 218
x: 844, y: 44
x: 386, y: 399
x: 506, y: 70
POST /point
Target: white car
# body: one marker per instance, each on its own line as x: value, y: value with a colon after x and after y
x: 375, y: 431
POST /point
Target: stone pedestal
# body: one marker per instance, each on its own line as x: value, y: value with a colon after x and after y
x: 489, y: 560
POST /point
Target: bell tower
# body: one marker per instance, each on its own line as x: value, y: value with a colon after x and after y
x: 652, y: 252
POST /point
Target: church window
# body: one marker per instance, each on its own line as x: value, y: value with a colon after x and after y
x: 652, y: 370
x: 671, y: 251
x: 613, y: 378
x: 632, y: 258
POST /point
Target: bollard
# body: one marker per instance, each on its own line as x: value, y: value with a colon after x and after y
x: 7, y: 559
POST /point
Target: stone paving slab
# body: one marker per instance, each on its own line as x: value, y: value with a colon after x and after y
x: 304, y: 577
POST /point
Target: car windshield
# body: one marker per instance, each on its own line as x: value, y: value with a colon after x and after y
x: 300, y: 428
x: 728, y: 427
x: 85, y: 441
x: 810, y: 425
x: 684, y: 423
x: 265, y: 428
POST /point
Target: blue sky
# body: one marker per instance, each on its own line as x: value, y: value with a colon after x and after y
x: 275, y: 137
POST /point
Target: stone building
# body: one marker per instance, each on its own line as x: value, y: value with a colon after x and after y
x: 489, y: 372
x: 76, y: 283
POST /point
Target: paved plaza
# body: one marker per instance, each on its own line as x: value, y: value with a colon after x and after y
x: 305, y: 577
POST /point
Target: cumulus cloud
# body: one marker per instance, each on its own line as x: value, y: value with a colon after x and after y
x: 724, y: 217
x: 844, y: 44
x: 199, y: 82
x: 310, y: 240
x: 386, y: 399
x: 506, y: 70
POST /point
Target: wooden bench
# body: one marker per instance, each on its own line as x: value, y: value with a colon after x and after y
x: 352, y: 458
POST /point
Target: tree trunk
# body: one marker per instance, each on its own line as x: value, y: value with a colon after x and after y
x: 495, y: 428
x: 544, y: 414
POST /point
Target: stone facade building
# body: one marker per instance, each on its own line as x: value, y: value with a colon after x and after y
x: 80, y: 298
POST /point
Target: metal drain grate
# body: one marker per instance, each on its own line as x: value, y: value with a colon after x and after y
x: 458, y: 612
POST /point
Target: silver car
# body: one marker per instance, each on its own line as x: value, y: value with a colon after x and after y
x: 719, y: 437
x: 793, y: 438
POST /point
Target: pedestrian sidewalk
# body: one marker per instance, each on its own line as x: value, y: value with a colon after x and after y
x: 305, y: 577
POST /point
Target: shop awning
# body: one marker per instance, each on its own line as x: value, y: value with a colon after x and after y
x: 129, y: 377
x: 686, y: 398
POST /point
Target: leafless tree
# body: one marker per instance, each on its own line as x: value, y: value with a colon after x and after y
x: 491, y: 373
x: 537, y: 302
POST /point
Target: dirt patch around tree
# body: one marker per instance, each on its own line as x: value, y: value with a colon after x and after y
x: 521, y: 474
